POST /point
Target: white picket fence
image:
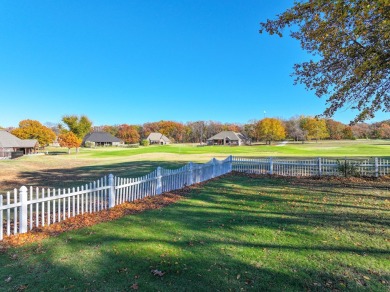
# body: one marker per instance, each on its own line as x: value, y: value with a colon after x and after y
x: 311, y: 167
x: 27, y: 208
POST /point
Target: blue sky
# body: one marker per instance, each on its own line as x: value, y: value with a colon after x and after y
x: 135, y: 61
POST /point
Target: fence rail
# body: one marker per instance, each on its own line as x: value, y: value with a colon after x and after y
x: 27, y: 208
x: 312, y: 167
x: 24, y: 209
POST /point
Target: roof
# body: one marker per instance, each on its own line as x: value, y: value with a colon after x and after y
x: 7, y: 140
x: 28, y: 143
x: 233, y: 136
x: 102, y: 137
x: 157, y: 137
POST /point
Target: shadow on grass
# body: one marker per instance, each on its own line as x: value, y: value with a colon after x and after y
x: 223, y: 237
x: 120, y: 270
x: 67, y: 178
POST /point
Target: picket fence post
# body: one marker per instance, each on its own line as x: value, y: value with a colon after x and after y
x: 111, y: 192
x: 23, y: 210
x: 191, y: 180
x: 1, y: 218
x: 230, y: 168
x: 271, y: 166
x: 214, y: 168
x: 376, y: 167
x: 159, y: 182
x: 319, y: 167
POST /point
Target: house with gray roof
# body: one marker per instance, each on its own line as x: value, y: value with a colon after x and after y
x: 228, y: 138
x: 158, y: 138
x: 102, y: 139
x: 11, y: 144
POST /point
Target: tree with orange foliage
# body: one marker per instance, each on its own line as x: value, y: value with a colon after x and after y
x: 347, y: 133
x: 270, y: 129
x: 113, y: 130
x: 335, y: 129
x: 173, y: 130
x: 129, y: 134
x: 69, y: 140
x: 384, y: 131
x: 31, y: 129
x: 232, y: 127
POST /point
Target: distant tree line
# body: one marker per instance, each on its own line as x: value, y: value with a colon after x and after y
x: 300, y: 128
x: 73, y: 128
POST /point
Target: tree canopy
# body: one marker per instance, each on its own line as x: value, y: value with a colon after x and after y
x: 270, y: 129
x: 69, y: 140
x: 129, y: 134
x: 314, y: 128
x: 350, y: 44
x: 31, y: 129
x: 80, y: 126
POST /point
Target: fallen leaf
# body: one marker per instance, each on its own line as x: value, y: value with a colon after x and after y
x: 88, y: 219
x: 21, y: 288
x: 158, y: 273
x: 9, y: 279
x: 134, y: 286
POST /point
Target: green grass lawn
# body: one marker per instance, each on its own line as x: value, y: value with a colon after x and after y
x: 61, y: 170
x: 368, y: 148
x: 236, y: 233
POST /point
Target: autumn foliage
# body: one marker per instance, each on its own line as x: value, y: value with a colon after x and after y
x: 129, y: 134
x: 173, y: 130
x: 315, y: 128
x: 350, y: 42
x: 89, y: 219
x: 80, y: 126
x: 31, y: 129
x: 270, y: 129
x: 69, y: 140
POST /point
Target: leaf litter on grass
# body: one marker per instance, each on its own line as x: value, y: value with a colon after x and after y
x: 85, y: 220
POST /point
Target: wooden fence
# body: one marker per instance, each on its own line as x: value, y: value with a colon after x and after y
x: 313, y: 167
x: 27, y: 208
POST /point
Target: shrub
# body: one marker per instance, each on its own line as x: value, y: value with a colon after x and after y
x: 131, y: 145
x: 89, y: 144
x: 347, y: 168
x: 145, y: 142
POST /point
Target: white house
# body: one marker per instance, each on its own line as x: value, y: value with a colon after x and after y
x: 228, y: 138
x: 158, y: 138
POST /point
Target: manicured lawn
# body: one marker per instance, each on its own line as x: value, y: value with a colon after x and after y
x: 309, y: 149
x: 63, y: 170
x: 236, y: 233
